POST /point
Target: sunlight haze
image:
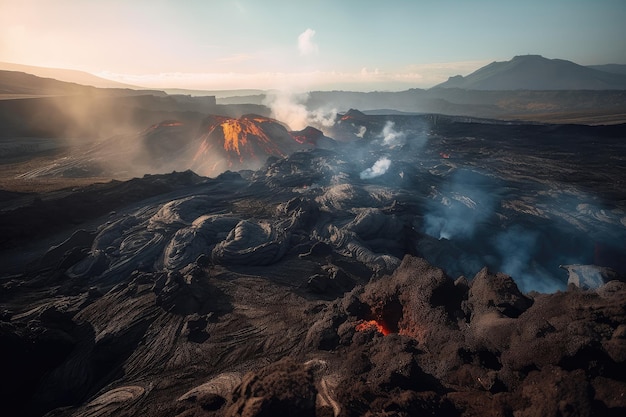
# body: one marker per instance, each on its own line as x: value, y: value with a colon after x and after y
x: 352, y: 45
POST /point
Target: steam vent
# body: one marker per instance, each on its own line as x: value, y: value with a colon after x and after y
x: 385, y: 265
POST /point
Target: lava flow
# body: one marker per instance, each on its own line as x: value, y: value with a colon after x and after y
x: 165, y: 123
x: 236, y: 132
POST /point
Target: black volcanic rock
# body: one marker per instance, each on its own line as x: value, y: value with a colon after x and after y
x: 282, y: 388
x: 417, y: 358
x: 251, y: 243
x: 313, y: 137
x: 302, y: 287
x: 534, y: 72
x: 500, y: 293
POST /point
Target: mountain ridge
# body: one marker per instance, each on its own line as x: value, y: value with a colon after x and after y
x: 534, y: 72
x: 66, y: 75
x: 612, y: 68
x: 21, y: 83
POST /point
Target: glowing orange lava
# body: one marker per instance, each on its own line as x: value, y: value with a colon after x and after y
x: 243, y: 138
x: 299, y: 138
x: 236, y: 133
x: 166, y: 123
x: 204, y: 147
x: 373, y: 324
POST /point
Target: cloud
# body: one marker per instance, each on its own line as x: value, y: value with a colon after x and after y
x: 363, y: 79
x: 236, y: 58
x: 306, y: 45
x: 240, y: 7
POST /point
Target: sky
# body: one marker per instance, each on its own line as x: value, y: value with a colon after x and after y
x: 359, y: 45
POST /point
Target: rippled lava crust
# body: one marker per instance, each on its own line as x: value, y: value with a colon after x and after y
x: 302, y: 289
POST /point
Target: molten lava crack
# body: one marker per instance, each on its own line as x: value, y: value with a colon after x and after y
x: 380, y: 327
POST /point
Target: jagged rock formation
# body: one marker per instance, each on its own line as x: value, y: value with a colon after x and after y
x: 483, y: 348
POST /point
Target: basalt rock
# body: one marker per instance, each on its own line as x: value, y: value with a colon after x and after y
x: 485, y: 338
x: 282, y: 388
x: 251, y: 243
x: 184, y: 295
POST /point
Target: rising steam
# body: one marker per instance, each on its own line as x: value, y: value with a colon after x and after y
x: 391, y: 137
x: 517, y: 248
x: 290, y: 108
x: 379, y: 168
x: 463, y: 204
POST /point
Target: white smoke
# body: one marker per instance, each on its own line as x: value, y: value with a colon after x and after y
x: 464, y: 203
x: 362, y: 130
x: 322, y: 117
x: 289, y: 107
x: 517, y: 248
x: 391, y: 137
x: 379, y: 168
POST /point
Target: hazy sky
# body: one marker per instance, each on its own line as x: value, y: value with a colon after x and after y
x: 311, y: 44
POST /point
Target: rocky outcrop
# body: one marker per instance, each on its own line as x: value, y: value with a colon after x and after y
x: 282, y: 388
x: 251, y: 243
x: 481, y: 348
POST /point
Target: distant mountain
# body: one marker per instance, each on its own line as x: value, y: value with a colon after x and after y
x: 19, y: 83
x: 557, y: 106
x: 612, y: 68
x: 71, y: 76
x: 534, y: 72
x: 216, y: 93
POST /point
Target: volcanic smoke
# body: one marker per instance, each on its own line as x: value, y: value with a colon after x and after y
x: 379, y: 168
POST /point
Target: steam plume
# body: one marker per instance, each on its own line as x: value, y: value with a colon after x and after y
x: 391, y: 137
x: 517, y: 247
x: 379, y: 168
x: 463, y: 205
x: 290, y: 108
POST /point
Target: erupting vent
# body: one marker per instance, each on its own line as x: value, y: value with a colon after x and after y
x: 245, y: 142
x: 238, y: 131
x: 380, y: 327
x: 240, y: 135
x: 383, y: 318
